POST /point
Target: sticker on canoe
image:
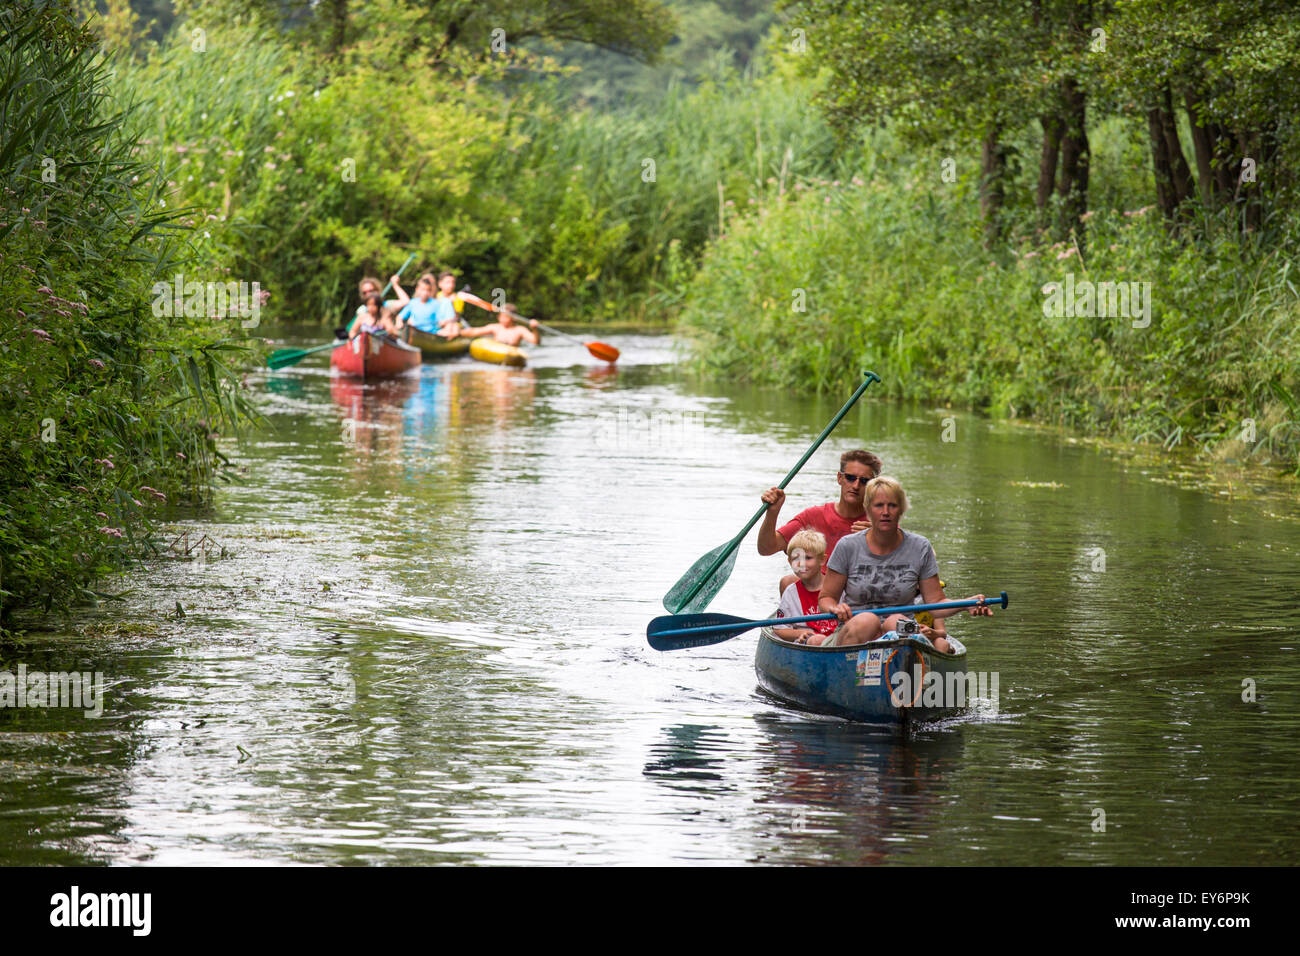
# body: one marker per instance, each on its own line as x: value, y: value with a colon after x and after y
x: 869, y: 665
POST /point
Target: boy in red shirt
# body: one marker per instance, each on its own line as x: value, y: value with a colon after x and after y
x: 807, y: 554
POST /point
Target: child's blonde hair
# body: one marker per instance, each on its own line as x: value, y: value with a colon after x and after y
x: 813, y: 542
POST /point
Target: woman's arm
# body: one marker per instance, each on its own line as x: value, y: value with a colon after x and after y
x: 832, y: 591
x: 933, y: 594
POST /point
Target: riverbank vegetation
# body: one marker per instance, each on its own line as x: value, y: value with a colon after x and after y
x: 321, y: 160
x: 1025, y: 233
x: 107, y: 409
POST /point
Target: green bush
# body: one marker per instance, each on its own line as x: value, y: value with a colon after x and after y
x: 896, y: 278
x: 505, y: 181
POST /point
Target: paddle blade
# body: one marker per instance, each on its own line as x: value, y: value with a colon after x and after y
x: 604, y: 352
x: 676, y: 600
x: 677, y: 622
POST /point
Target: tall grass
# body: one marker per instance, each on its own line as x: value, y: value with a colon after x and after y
x: 105, y: 409
x: 646, y: 187
x: 575, y: 213
x: 895, y: 277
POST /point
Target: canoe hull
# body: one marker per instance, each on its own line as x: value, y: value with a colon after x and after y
x: 435, y: 347
x: 862, y: 682
x: 490, y: 350
x: 374, y: 356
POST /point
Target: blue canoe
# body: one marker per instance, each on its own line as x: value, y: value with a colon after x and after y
x: 890, y: 681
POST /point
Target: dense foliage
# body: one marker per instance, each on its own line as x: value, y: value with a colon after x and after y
x: 891, y: 273
x: 106, y: 409
x: 1029, y: 162
x: 311, y: 173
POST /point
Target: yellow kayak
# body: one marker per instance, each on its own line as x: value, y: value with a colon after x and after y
x: 490, y: 350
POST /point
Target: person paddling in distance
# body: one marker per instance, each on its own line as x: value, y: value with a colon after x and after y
x: 834, y: 519
x: 369, y: 286
x: 807, y: 553
x: 506, y: 329
x: 883, y: 566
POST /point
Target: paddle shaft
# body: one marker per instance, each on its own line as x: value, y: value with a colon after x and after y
x: 783, y: 621
x: 735, y: 542
x: 563, y: 335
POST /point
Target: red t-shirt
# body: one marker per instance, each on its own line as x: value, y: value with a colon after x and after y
x: 823, y: 518
x: 798, y: 601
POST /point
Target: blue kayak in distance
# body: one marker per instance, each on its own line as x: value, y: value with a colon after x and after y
x: 899, y: 680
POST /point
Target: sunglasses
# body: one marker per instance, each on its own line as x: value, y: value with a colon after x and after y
x: 856, y: 479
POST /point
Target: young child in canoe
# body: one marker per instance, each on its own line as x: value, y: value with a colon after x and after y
x: 807, y: 554
x: 437, y: 306
x: 373, y: 316
x: 506, y: 330
x: 422, y: 312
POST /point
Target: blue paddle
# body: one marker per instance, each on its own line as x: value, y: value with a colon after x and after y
x: 705, y: 578
x: 673, y: 632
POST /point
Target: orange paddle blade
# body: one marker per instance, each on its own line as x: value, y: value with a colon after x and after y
x: 606, y: 353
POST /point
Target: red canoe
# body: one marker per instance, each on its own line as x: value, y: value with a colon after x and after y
x: 374, y: 356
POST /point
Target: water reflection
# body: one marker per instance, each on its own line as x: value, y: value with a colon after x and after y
x: 872, y: 791
x: 426, y: 632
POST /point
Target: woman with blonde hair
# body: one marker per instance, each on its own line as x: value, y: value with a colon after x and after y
x: 883, y: 566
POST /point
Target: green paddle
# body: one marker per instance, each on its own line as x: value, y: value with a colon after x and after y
x: 698, y: 586
x: 283, y: 358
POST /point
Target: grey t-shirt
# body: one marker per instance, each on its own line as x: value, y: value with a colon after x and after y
x: 882, y: 580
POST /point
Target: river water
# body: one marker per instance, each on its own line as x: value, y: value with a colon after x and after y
x: 414, y: 633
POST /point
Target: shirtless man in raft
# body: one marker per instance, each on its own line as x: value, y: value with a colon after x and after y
x: 505, y: 329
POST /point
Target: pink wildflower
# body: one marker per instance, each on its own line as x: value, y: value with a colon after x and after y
x: 41, y: 334
x: 96, y: 363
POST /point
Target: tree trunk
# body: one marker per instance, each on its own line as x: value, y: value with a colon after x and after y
x: 993, y: 169
x: 1203, y: 148
x: 338, y: 25
x: 1052, y: 126
x: 1172, y: 174
x: 1073, y: 184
